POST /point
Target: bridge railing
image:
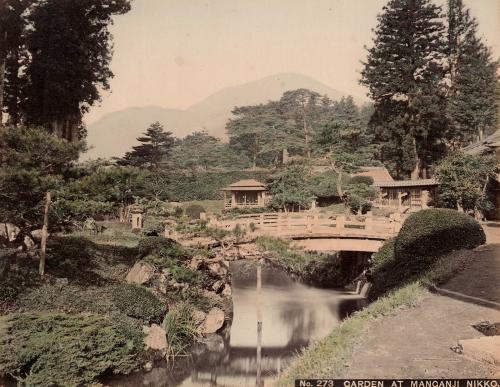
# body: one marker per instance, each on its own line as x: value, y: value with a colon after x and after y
x: 296, y: 224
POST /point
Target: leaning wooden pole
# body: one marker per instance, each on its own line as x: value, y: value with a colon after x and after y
x: 258, y: 381
x: 43, y: 244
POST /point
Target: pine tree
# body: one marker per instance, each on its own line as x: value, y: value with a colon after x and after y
x: 474, y: 91
x: 152, y: 153
x: 404, y: 73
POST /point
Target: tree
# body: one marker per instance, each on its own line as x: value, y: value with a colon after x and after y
x: 199, y: 150
x: 474, y: 91
x: 346, y: 148
x: 404, y: 72
x: 155, y: 147
x: 32, y: 162
x: 463, y: 181
x: 69, y: 47
x: 302, y: 107
x: 290, y: 188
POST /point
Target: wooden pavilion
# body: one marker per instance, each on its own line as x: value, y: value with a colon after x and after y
x: 406, y: 194
x: 245, y: 194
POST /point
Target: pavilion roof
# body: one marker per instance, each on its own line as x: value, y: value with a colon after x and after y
x: 376, y: 173
x: 246, y: 185
x: 406, y: 183
x: 487, y: 145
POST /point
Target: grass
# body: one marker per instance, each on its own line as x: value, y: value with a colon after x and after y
x: 180, y: 328
x: 329, y: 357
x: 114, y: 234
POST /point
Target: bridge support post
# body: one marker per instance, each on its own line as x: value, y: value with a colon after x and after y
x: 369, y: 223
x: 340, y: 223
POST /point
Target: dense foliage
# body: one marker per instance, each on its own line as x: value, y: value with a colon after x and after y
x: 58, y: 60
x: 60, y: 349
x: 138, y: 302
x: 463, y: 181
x: 424, y: 237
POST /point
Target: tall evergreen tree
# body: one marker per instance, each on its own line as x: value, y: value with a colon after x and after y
x: 155, y: 147
x: 474, y: 91
x: 70, y: 49
x: 404, y: 73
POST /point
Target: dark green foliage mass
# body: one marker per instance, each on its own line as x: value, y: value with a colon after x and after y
x: 138, y: 302
x: 425, y: 236
x: 58, y: 61
x: 464, y: 179
x: 432, y: 232
x: 404, y: 73
x: 474, y: 92
x: 60, y: 349
x: 32, y: 162
x: 290, y: 188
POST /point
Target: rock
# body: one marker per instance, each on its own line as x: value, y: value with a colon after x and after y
x: 62, y: 282
x: 156, y: 338
x: 194, y: 264
x: 37, y: 235
x: 199, y: 317
x: 214, y: 321
x: 217, y: 286
x: 148, y: 366
x: 9, y: 231
x: 227, y: 291
x: 214, y: 343
x: 140, y: 273
x: 29, y: 243
x: 218, y: 268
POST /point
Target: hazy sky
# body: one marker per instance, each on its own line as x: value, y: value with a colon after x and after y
x: 174, y: 53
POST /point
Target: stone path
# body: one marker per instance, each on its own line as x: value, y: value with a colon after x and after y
x: 416, y: 342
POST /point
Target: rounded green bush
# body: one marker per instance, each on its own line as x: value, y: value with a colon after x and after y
x: 437, y: 231
x: 194, y: 211
x: 137, y: 302
x: 161, y: 247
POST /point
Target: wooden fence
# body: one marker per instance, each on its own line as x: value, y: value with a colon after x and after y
x: 314, y: 224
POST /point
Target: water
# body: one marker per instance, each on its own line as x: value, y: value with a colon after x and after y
x: 293, y: 314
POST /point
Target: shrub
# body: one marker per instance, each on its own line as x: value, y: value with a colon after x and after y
x: 65, y: 350
x: 153, y: 224
x: 434, y: 232
x: 137, y: 302
x: 161, y: 247
x: 424, y: 237
x: 194, y: 211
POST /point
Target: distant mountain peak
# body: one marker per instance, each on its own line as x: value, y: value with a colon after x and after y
x: 115, y: 133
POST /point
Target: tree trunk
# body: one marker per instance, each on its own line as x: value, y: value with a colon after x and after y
x: 306, y: 135
x: 340, y: 192
x: 3, y: 57
x: 43, y: 244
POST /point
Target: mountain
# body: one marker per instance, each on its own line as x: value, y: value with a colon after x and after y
x: 116, y: 133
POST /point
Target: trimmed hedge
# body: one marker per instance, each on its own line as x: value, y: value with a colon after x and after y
x: 161, y: 247
x: 194, y: 211
x: 436, y: 231
x: 425, y: 236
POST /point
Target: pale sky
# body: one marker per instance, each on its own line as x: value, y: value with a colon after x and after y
x: 174, y: 53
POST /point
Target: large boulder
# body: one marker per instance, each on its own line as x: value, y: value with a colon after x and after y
x: 140, y: 273
x: 156, y: 338
x: 218, y: 268
x: 214, y: 321
x: 28, y: 243
x: 9, y: 231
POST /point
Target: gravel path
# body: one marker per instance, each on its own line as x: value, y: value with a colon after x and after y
x: 416, y: 342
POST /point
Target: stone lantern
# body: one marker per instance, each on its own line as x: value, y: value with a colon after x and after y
x: 137, y: 218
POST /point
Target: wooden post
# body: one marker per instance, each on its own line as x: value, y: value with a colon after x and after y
x: 259, y: 381
x: 43, y: 244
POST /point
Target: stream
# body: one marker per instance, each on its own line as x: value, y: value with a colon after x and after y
x: 293, y: 316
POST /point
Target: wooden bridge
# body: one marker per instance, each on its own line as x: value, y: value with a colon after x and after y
x: 321, y: 232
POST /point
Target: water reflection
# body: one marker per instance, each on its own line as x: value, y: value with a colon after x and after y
x: 294, y: 315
